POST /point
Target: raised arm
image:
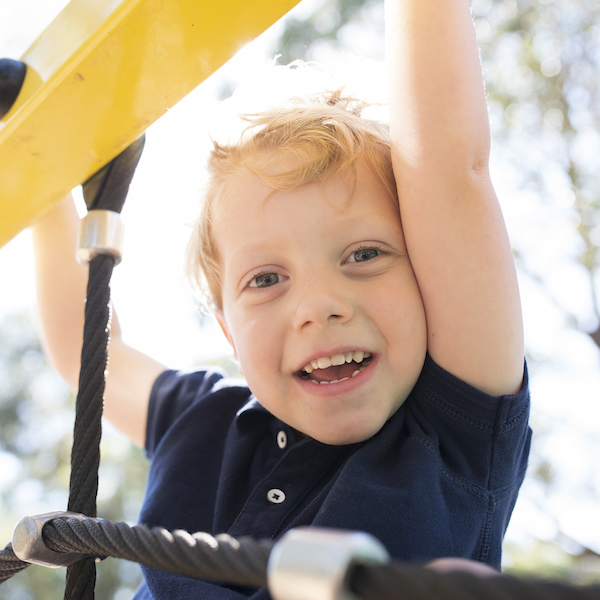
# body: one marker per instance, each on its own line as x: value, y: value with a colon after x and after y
x: 61, y: 289
x: 453, y: 225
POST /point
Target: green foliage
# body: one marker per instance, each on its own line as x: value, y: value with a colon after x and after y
x: 542, y: 64
x: 326, y: 29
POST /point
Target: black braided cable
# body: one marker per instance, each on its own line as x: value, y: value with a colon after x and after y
x: 405, y: 582
x: 238, y: 562
x: 244, y: 562
x: 106, y: 190
x: 9, y: 564
x: 85, y: 454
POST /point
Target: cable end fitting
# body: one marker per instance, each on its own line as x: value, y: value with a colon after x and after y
x: 28, y: 544
x: 309, y: 563
x: 101, y: 233
x: 12, y: 76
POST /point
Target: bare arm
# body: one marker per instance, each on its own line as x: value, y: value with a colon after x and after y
x: 61, y: 289
x: 453, y: 225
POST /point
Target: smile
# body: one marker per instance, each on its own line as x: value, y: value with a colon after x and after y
x: 337, y: 368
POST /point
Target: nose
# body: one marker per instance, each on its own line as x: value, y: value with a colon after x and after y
x: 321, y: 302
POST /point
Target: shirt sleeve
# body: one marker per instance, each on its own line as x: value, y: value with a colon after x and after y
x: 482, y: 439
x: 172, y: 393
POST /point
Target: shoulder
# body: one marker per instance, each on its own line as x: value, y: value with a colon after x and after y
x: 475, y: 436
x: 176, y: 393
x: 439, y: 391
x: 185, y: 384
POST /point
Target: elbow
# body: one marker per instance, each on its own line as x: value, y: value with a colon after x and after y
x: 66, y: 364
x: 479, y: 160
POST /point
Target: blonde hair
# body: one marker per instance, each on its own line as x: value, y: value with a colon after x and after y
x: 321, y: 136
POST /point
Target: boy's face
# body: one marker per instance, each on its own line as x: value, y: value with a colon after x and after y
x: 316, y: 274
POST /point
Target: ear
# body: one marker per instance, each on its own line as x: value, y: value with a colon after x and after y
x: 225, y: 329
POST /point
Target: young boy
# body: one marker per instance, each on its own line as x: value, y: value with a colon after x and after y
x: 374, y: 312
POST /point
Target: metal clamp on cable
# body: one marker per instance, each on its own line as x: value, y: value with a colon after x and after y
x: 314, y: 564
x: 28, y: 544
x: 101, y: 233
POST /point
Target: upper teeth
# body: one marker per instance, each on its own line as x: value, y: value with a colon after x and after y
x: 337, y: 359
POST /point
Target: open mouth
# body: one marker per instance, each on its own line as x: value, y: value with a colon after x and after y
x: 336, y: 368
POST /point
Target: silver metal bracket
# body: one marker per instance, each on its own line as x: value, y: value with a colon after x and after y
x: 101, y: 233
x: 28, y: 544
x: 309, y: 563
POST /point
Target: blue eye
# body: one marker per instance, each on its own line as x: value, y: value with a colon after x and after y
x: 364, y: 254
x: 265, y: 280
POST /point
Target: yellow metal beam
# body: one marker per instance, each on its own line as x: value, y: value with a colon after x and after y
x: 98, y: 76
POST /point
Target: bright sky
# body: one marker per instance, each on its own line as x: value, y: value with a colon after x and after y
x: 157, y: 313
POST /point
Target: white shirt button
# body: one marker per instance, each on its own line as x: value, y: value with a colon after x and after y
x: 282, y: 439
x: 275, y: 496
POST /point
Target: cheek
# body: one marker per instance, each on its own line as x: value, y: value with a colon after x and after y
x: 260, y: 359
x: 257, y: 343
x: 396, y: 297
x: 401, y: 317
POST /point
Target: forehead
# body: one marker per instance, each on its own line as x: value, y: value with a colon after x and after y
x: 251, y: 215
x: 247, y: 193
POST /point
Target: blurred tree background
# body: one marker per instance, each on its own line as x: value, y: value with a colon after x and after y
x: 541, y: 66
x: 36, y: 424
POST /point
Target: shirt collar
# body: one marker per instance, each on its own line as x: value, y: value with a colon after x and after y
x: 253, y: 405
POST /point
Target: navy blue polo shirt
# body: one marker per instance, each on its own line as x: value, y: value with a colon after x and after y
x: 439, y: 479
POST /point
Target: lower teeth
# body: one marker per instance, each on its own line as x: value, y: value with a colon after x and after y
x: 338, y: 380
x: 366, y: 362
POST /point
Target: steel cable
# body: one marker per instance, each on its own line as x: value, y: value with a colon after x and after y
x: 222, y: 558
x: 85, y: 454
x: 405, y: 582
x: 243, y: 562
x: 106, y: 190
x: 9, y: 564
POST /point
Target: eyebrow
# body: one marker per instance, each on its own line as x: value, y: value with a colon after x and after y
x: 249, y: 255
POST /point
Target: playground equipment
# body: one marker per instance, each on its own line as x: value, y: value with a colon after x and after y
x: 97, y: 77
x: 125, y: 63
